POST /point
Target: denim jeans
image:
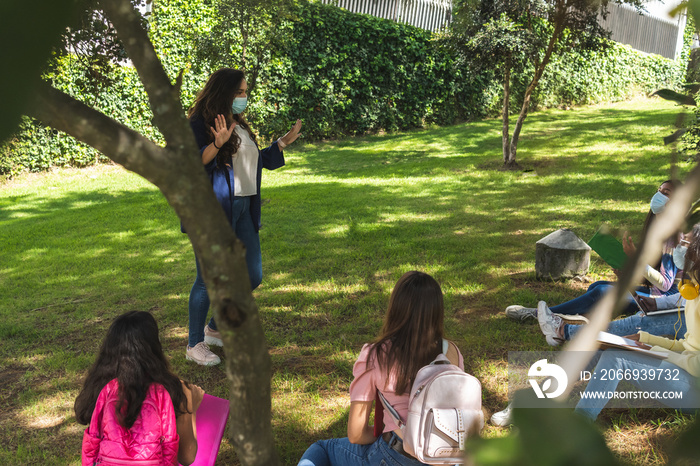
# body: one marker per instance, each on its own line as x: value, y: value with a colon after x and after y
x: 660, y: 324
x: 242, y: 225
x: 586, y: 301
x: 629, y: 361
x: 340, y: 452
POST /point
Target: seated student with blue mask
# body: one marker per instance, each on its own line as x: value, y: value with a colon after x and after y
x: 647, y: 319
x: 680, y: 368
x: 659, y: 279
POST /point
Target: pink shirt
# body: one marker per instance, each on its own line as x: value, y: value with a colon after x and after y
x: 368, y: 380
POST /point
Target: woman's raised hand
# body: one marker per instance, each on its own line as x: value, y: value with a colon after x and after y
x: 220, y: 131
x: 292, y: 135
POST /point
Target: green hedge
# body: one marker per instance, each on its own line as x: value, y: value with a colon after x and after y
x: 343, y: 74
x: 352, y: 74
x: 617, y: 74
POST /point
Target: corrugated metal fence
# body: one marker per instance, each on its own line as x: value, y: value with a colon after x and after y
x: 431, y: 15
x: 645, y: 33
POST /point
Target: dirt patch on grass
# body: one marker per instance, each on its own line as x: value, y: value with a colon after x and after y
x: 300, y: 361
x: 11, y: 374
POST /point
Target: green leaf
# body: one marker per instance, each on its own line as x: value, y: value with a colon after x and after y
x: 668, y: 94
x: 501, y: 451
x: 687, y: 446
x: 28, y: 33
x: 556, y: 435
x: 694, y: 10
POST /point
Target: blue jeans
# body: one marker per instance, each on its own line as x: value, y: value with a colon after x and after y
x: 242, y: 225
x: 660, y: 324
x: 340, y: 452
x: 586, y: 301
x: 629, y: 361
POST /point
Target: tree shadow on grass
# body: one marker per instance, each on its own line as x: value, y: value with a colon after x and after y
x: 332, y: 251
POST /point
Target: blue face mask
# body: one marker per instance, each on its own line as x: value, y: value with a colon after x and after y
x: 679, y: 256
x: 239, y: 104
x: 658, y: 202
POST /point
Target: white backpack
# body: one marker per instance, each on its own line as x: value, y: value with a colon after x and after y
x: 443, y: 410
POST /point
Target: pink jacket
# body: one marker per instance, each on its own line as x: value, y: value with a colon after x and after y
x: 152, y: 440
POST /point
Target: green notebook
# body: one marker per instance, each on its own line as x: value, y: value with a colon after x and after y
x: 608, y: 248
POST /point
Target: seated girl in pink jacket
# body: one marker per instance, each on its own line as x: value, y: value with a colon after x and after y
x: 138, y: 411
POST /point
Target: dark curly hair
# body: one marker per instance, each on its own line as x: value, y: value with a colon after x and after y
x: 131, y: 353
x: 215, y: 99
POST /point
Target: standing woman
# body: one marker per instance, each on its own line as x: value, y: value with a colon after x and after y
x: 410, y: 339
x: 234, y: 163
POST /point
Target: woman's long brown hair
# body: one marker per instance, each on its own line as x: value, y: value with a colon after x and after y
x: 413, y: 327
x: 692, y: 256
x: 215, y: 99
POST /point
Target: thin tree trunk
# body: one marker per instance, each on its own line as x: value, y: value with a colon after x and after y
x: 506, y: 112
x: 530, y: 89
x: 177, y: 171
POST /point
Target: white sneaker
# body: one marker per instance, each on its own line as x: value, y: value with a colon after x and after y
x: 212, y: 337
x: 502, y: 418
x: 550, y: 324
x: 521, y: 313
x: 202, y: 355
x: 576, y: 319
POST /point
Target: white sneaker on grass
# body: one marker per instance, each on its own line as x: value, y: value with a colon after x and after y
x: 502, y: 418
x: 551, y: 325
x: 521, y: 313
x: 212, y: 337
x: 202, y: 355
x: 575, y: 319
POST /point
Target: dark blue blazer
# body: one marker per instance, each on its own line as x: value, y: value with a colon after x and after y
x: 222, y: 179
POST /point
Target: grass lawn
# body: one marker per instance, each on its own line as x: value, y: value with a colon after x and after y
x: 342, y: 222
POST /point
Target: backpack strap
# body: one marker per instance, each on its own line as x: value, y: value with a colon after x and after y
x: 390, y: 409
x: 449, y: 349
x: 378, y: 415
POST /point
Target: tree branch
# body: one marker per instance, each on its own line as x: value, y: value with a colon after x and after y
x: 164, y: 98
x: 120, y: 143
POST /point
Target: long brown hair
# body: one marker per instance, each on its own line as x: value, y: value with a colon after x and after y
x: 215, y: 99
x: 413, y: 327
x: 692, y: 256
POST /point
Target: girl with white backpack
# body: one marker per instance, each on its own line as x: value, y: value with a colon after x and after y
x: 411, y: 338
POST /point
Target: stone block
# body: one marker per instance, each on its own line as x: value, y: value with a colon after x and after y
x: 561, y: 254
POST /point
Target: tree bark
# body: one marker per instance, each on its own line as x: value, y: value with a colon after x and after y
x: 177, y: 171
x: 506, y: 112
x: 539, y: 70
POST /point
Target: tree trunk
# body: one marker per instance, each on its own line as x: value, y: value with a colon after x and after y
x: 177, y: 171
x: 539, y: 70
x: 506, y: 112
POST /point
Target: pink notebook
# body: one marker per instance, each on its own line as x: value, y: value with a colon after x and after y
x: 212, y: 416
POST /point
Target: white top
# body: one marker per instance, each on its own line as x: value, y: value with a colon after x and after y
x: 245, y: 165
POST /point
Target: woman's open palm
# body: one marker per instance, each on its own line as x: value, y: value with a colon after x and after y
x: 292, y: 134
x: 220, y: 131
